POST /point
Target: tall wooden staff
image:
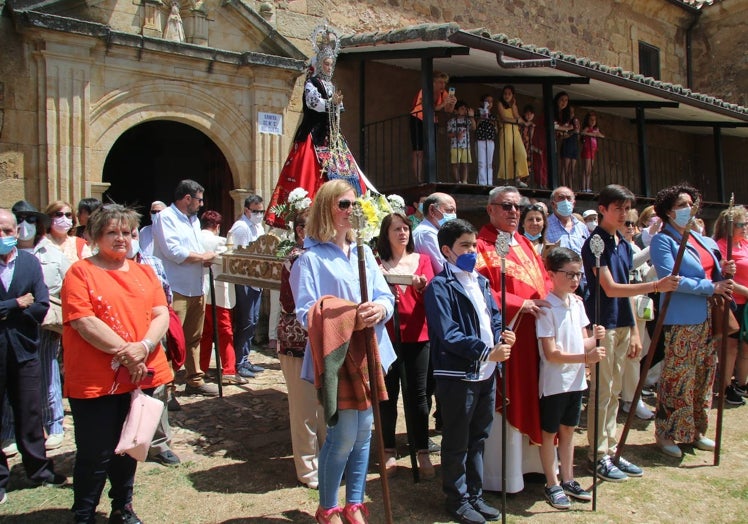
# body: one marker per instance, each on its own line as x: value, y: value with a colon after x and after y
x: 597, y: 246
x: 359, y: 221
x: 721, y: 370
x: 657, y: 332
x: 502, y: 249
x: 214, y: 314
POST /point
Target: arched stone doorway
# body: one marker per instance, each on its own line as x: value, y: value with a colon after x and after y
x: 148, y: 160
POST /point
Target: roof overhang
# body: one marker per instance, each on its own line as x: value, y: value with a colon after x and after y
x: 474, y: 56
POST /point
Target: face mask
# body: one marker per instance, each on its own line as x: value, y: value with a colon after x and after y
x: 591, y: 225
x: 447, y: 217
x: 7, y: 244
x: 134, y: 248
x: 153, y: 217
x: 682, y: 216
x: 26, y: 231
x: 420, y: 208
x: 565, y: 208
x: 62, y: 224
x: 530, y: 237
x: 466, y: 261
x: 255, y: 218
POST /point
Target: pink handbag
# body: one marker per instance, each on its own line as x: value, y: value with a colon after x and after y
x: 140, y: 425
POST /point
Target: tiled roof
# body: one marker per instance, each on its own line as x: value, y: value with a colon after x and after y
x: 443, y: 32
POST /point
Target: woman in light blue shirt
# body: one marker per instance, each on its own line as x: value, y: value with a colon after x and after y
x: 329, y: 266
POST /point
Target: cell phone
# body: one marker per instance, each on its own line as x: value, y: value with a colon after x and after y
x: 451, y: 91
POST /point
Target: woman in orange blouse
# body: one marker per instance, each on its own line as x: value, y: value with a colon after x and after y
x: 111, y: 339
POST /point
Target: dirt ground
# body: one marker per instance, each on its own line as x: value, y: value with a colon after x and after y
x: 237, y: 468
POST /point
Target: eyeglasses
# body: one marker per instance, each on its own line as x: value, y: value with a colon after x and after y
x: 31, y: 219
x: 198, y: 199
x: 535, y: 207
x: 60, y: 214
x: 344, y: 204
x: 571, y: 275
x: 258, y: 211
x: 629, y: 223
x: 155, y: 211
x: 741, y: 224
x: 506, y: 206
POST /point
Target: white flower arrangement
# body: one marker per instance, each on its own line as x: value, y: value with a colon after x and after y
x: 396, y: 203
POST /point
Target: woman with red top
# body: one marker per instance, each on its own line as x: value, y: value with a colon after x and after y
x: 397, y: 257
x: 736, y: 389
x: 114, y: 314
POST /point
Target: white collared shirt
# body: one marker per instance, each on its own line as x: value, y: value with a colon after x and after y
x: 175, y: 236
x: 244, y: 231
x: 469, y: 282
x: 7, y: 269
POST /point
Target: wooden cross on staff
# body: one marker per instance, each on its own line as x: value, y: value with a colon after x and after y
x: 502, y: 249
x: 358, y: 221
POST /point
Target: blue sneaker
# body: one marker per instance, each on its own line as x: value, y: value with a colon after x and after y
x: 244, y: 371
x: 606, y: 470
x: 628, y: 468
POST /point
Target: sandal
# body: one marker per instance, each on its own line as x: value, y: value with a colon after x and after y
x: 327, y: 516
x: 350, y: 510
x: 390, y: 462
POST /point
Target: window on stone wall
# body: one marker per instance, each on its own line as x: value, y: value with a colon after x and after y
x: 649, y: 60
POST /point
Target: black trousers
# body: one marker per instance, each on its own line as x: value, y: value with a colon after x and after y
x: 20, y: 381
x: 98, y: 425
x: 415, y: 357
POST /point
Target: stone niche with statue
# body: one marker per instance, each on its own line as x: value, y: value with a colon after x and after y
x: 257, y: 264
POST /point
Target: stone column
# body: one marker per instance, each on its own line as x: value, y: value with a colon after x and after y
x: 196, y: 26
x: 152, y: 18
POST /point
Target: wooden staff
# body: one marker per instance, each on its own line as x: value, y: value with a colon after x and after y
x: 214, y: 315
x: 657, y: 332
x: 722, y: 369
x: 358, y: 221
x: 597, y: 246
x: 502, y: 249
x: 404, y: 388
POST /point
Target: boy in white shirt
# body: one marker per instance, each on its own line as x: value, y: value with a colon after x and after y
x: 565, y: 348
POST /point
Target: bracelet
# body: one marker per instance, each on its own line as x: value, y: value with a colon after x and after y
x: 654, y: 285
x: 149, y: 346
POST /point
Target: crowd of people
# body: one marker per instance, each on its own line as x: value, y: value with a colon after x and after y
x: 517, y: 136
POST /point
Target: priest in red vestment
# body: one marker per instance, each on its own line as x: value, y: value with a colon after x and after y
x: 527, y: 285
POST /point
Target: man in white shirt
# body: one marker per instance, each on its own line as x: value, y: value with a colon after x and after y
x: 176, y: 239
x: 247, y: 310
x: 438, y: 208
x: 146, y: 232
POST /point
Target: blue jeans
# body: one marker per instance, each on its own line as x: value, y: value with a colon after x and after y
x: 346, y: 449
x: 246, y: 316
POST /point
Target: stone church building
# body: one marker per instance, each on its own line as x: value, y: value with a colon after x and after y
x: 124, y: 98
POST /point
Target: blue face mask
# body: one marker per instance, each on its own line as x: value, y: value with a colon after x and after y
x: 565, y: 208
x: 420, y: 208
x: 7, y: 244
x: 446, y: 217
x: 530, y: 237
x: 466, y: 261
x: 682, y: 216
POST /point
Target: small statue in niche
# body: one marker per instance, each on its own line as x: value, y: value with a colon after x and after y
x: 174, y: 30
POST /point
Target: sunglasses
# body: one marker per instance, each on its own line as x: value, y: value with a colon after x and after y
x: 60, y: 214
x: 30, y: 219
x: 741, y: 224
x: 155, y: 211
x: 629, y: 223
x: 506, y: 206
x: 344, y: 204
x: 258, y: 211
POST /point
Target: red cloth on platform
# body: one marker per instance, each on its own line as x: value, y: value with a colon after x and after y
x: 526, y: 278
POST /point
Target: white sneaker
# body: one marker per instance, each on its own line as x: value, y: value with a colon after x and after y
x: 54, y: 441
x: 9, y: 448
x: 643, y: 412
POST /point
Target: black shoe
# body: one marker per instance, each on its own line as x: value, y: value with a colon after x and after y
x: 166, y: 458
x: 55, y: 481
x: 488, y: 512
x: 465, y: 514
x: 733, y: 398
x: 124, y: 516
x: 173, y: 404
x: 434, y: 447
x: 740, y: 390
x: 204, y: 389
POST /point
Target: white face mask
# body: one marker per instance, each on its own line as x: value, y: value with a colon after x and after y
x: 134, y: 248
x: 26, y: 231
x: 591, y: 225
x: 62, y: 224
x: 256, y: 218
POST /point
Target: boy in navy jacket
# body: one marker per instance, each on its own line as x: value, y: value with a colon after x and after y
x: 466, y: 343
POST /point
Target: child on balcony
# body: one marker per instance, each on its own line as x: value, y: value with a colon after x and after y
x: 590, y: 134
x: 458, y: 130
